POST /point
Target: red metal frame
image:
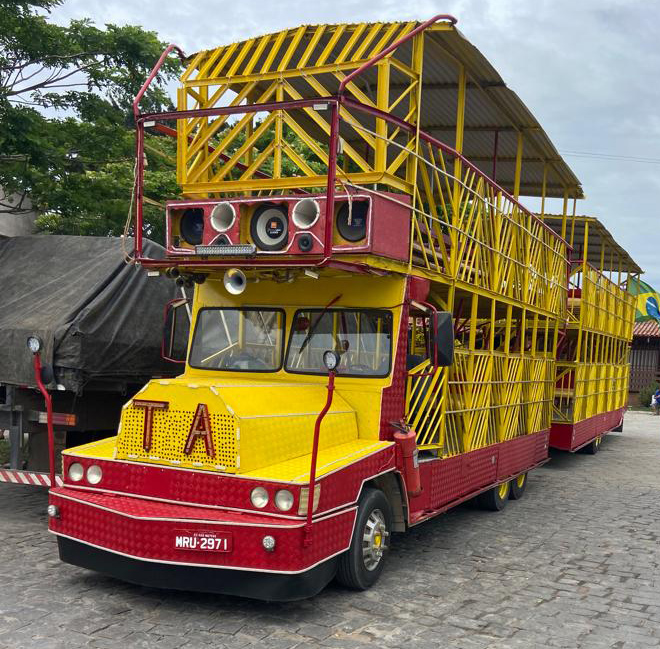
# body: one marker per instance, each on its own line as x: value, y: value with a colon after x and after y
x: 49, y: 417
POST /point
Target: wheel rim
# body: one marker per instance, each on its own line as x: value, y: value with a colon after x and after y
x: 520, y: 480
x: 374, y: 539
x: 503, y: 490
x: 598, y: 441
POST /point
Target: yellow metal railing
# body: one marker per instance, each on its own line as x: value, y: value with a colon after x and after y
x: 483, y: 398
x: 597, y: 304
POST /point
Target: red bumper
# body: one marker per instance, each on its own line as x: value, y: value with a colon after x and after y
x: 113, y: 527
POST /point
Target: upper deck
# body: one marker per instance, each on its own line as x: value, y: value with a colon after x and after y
x: 408, y: 118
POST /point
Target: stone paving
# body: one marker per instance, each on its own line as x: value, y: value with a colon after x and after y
x: 575, y: 563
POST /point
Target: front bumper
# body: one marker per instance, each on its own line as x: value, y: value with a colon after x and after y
x: 135, y: 539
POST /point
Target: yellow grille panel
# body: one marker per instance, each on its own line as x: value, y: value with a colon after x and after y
x: 169, y: 434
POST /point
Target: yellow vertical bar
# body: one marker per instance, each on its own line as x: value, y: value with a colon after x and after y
x: 383, y: 103
x: 279, y: 135
x: 456, y: 191
x: 518, y: 172
x: 584, y: 289
x: 564, y: 213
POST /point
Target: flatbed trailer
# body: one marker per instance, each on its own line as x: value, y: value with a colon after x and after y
x: 374, y: 326
x: 593, y: 369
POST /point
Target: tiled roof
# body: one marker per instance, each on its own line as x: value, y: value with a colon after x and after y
x: 650, y: 328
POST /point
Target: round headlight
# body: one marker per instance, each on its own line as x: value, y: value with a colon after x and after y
x: 34, y: 344
x: 223, y: 216
x: 259, y: 497
x: 284, y: 500
x: 94, y: 474
x: 76, y: 472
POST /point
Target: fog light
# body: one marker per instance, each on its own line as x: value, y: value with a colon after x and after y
x: 94, y: 474
x: 259, y: 497
x: 284, y: 500
x: 53, y: 511
x: 76, y: 472
x: 269, y: 543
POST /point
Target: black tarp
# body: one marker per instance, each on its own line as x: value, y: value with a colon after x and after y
x: 100, y: 319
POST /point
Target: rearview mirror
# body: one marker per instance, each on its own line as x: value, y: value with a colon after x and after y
x: 175, y: 330
x: 444, y: 339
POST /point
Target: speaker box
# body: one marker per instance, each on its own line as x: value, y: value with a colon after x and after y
x: 193, y: 223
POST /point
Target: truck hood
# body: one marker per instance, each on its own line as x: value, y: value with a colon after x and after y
x: 251, y: 425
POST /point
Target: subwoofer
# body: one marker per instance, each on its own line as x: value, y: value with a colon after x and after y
x: 269, y: 226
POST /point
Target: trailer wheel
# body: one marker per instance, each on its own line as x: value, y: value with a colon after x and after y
x: 361, y: 565
x: 495, y: 499
x: 593, y: 447
x: 518, y: 486
x: 619, y: 428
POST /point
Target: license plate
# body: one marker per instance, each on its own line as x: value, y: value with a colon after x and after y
x: 203, y: 541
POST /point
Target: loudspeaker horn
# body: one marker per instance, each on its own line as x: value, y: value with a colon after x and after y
x: 234, y: 281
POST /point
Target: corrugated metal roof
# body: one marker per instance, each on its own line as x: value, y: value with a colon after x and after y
x: 491, y: 107
x: 648, y: 329
x: 599, y: 238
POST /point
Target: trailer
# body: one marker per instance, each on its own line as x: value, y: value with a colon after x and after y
x: 375, y: 320
x: 100, y: 322
x: 593, y: 368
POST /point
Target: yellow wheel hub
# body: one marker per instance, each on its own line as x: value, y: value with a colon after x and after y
x: 520, y: 480
x: 503, y: 490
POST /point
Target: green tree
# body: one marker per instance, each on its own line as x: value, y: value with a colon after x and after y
x: 66, y: 124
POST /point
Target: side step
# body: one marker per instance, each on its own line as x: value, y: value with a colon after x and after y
x: 31, y: 478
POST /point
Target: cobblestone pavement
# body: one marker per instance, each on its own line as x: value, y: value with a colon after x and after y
x: 575, y: 563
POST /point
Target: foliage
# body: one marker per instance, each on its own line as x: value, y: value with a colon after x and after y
x: 66, y: 131
x: 645, y: 394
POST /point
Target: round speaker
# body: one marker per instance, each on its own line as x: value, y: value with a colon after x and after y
x: 192, y: 226
x: 269, y: 227
x: 305, y: 242
x: 357, y: 230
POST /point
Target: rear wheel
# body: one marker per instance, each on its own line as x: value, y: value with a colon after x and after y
x: 593, y: 447
x: 495, y: 499
x: 361, y: 566
x: 518, y: 486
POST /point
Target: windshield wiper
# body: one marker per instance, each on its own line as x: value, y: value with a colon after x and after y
x: 312, y: 329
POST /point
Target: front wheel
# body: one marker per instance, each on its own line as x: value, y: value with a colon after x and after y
x: 361, y: 565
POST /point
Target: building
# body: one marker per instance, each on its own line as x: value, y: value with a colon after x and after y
x: 644, y: 356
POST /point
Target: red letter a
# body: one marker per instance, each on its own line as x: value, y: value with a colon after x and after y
x: 201, y: 427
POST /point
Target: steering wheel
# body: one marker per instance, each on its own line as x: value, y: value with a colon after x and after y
x: 250, y: 361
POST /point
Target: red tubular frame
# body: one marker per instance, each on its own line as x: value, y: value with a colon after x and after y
x: 49, y: 418
x: 335, y: 104
x: 307, y: 537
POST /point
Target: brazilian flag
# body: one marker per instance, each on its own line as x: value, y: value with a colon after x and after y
x: 648, y: 300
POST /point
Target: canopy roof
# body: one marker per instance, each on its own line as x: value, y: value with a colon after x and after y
x: 601, y: 244
x: 493, y: 112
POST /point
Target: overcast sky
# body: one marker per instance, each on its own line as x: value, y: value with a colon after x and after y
x: 589, y: 70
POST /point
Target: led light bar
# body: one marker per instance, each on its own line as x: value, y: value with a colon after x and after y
x: 228, y: 250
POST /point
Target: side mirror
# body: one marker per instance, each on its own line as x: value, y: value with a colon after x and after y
x: 444, y: 339
x: 175, y: 330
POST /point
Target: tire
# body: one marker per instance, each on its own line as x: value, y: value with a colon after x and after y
x: 518, y: 486
x: 495, y: 499
x: 592, y: 447
x: 619, y: 428
x: 362, y: 564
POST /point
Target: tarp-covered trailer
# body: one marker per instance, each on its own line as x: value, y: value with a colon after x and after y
x: 100, y: 321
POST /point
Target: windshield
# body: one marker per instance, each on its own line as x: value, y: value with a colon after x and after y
x: 238, y: 339
x: 363, y: 339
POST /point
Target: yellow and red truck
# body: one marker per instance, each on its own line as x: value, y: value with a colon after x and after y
x: 375, y: 320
